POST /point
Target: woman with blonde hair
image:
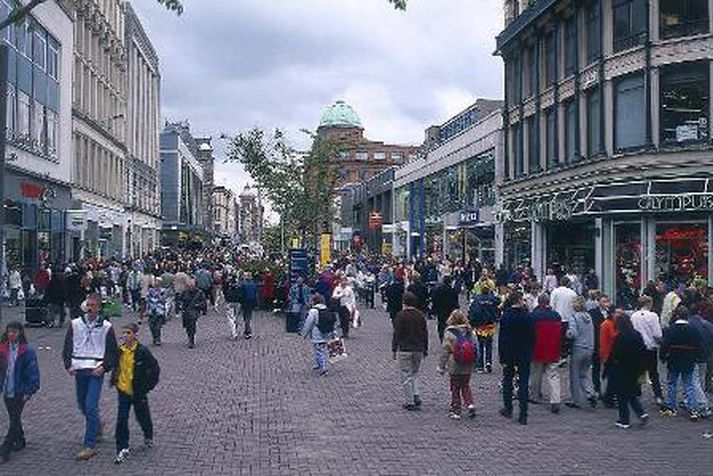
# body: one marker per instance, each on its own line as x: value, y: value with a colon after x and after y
x: 458, y: 357
x: 581, y: 334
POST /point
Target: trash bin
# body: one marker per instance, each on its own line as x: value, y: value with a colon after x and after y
x: 292, y: 322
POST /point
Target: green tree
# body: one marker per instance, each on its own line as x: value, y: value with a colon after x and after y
x: 299, y: 185
x: 20, y: 11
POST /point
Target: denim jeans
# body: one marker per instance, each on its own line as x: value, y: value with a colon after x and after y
x: 699, y: 373
x: 89, y: 389
x: 485, y: 351
x: 320, y: 355
x: 143, y: 416
x: 688, y: 388
x: 247, y: 318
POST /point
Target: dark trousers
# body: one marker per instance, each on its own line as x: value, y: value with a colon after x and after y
x: 651, y: 361
x: 344, y: 320
x: 143, y: 416
x: 155, y: 324
x: 189, y: 324
x: 460, y: 387
x: 624, y: 403
x: 15, y: 435
x: 608, y: 395
x: 596, y: 373
x: 248, y: 317
x: 485, y: 351
x: 522, y: 370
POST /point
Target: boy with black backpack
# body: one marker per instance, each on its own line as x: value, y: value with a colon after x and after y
x: 459, y: 354
x: 319, y: 327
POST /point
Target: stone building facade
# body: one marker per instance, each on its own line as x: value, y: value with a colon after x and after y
x: 225, y: 213
x: 143, y: 204
x: 607, y: 164
x: 99, y: 125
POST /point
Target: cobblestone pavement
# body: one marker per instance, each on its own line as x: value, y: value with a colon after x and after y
x: 255, y: 407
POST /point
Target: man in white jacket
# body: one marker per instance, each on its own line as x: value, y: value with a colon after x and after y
x: 562, y: 302
x: 646, y: 323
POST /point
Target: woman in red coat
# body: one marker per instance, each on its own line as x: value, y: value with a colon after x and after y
x: 267, y: 289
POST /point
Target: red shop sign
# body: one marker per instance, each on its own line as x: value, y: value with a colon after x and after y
x: 31, y: 190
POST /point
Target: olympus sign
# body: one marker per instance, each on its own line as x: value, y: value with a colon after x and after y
x: 685, y: 202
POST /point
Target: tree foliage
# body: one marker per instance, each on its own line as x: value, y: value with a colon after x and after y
x: 399, y: 4
x: 299, y: 185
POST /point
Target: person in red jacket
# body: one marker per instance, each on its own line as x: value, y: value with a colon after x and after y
x: 547, y: 353
x: 607, y: 334
x: 267, y: 290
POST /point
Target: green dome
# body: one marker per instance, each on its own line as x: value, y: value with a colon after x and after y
x: 340, y: 114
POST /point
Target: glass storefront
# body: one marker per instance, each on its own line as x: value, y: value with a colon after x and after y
x: 571, y: 245
x: 627, y: 263
x: 517, y: 247
x: 681, y: 251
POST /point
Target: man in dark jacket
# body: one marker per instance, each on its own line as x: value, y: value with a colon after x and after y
x: 444, y: 300
x: 135, y: 375
x: 419, y: 289
x: 483, y: 313
x: 249, y: 302
x: 194, y: 304
x: 394, y: 297
x: 516, y: 345
x: 680, y: 349
x: 55, y: 296
x: 409, y: 345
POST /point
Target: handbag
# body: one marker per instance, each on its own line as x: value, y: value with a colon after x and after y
x: 336, y: 350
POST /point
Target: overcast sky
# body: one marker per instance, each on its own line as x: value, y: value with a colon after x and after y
x: 228, y: 65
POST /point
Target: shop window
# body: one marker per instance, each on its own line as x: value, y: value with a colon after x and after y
x: 630, y: 27
x: 551, y: 139
x: 681, y: 252
x: 683, y: 18
x: 570, y: 132
x: 594, y: 36
x: 627, y: 258
x: 684, y: 102
x: 533, y: 145
x: 630, y: 112
x: 594, y: 136
x: 551, y: 58
x: 517, y: 150
x: 570, y: 45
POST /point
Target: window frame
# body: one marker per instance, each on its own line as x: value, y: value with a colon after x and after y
x: 668, y: 79
x: 594, y: 126
x: 617, y: 93
x: 690, y: 27
x: 633, y: 38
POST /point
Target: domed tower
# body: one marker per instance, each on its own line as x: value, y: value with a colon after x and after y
x: 340, y: 120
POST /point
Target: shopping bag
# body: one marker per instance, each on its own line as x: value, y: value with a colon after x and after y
x: 336, y: 350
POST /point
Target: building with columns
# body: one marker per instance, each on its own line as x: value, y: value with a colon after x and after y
x: 225, y: 213
x: 38, y: 167
x: 99, y: 116
x: 607, y: 164
x: 143, y: 194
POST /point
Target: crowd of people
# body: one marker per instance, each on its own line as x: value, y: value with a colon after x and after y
x: 536, y: 330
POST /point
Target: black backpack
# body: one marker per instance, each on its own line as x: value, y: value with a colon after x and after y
x: 326, y: 321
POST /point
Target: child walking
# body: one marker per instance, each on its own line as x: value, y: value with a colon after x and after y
x: 458, y: 357
x: 136, y: 374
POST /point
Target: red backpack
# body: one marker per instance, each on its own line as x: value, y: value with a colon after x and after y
x: 464, y: 351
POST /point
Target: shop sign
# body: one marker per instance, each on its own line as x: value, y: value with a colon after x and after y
x: 76, y: 220
x: 31, y: 190
x: 684, y: 202
x: 469, y: 217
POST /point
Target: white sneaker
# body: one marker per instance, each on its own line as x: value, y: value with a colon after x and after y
x: 121, y: 456
x: 454, y: 416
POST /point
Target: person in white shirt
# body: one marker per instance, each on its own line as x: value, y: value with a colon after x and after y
x: 562, y: 302
x: 646, y: 323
